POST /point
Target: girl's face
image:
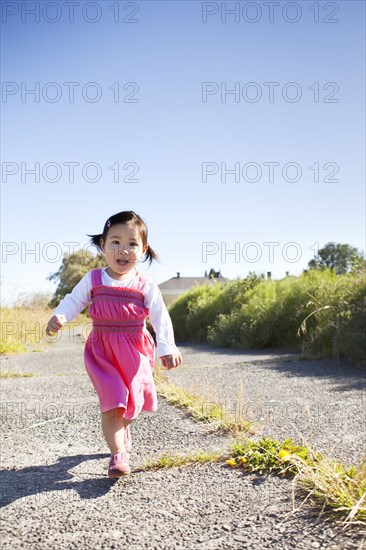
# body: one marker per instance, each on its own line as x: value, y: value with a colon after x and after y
x: 123, y: 249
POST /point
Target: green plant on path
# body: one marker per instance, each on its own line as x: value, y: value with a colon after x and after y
x: 268, y: 455
x: 327, y: 482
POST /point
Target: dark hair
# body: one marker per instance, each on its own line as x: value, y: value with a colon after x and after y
x: 127, y: 216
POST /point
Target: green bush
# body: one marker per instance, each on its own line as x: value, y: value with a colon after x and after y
x: 197, y: 310
x: 337, y: 324
x: 318, y: 313
x: 269, y: 317
x: 194, y: 311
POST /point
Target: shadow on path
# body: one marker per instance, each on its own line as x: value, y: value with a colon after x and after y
x: 39, y: 481
x: 343, y: 374
x: 344, y: 378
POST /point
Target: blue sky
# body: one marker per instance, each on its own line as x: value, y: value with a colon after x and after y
x: 167, y: 133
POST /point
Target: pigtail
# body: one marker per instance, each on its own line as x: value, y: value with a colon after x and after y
x: 151, y: 255
x: 95, y: 241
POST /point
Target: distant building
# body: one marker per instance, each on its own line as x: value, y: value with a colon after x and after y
x: 174, y: 287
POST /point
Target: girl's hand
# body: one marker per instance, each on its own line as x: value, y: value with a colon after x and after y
x: 171, y: 361
x: 54, y: 325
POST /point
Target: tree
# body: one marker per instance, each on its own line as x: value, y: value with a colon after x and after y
x: 74, y: 267
x: 341, y: 257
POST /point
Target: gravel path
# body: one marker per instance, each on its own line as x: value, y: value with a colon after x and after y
x: 55, y: 492
x: 317, y: 402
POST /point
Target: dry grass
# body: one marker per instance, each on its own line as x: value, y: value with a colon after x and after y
x: 169, y: 460
x: 16, y: 374
x: 202, y: 409
x: 22, y: 329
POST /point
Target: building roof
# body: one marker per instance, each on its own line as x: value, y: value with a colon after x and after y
x: 184, y: 283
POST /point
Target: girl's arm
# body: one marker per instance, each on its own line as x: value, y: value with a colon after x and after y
x: 71, y: 305
x: 161, y: 322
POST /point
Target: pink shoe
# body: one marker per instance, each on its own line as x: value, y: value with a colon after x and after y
x: 118, y: 465
x: 127, y: 439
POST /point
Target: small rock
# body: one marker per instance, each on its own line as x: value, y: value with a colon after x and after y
x: 273, y: 511
x: 240, y: 538
x: 226, y: 527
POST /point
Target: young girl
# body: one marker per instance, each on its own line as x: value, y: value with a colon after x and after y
x: 119, y: 353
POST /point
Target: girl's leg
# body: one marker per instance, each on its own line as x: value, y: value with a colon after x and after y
x: 113, y: 429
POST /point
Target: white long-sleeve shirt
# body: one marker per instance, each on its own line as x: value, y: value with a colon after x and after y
x: 80, y: 297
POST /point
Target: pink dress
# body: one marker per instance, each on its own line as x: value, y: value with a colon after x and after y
x: 119, y: 353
